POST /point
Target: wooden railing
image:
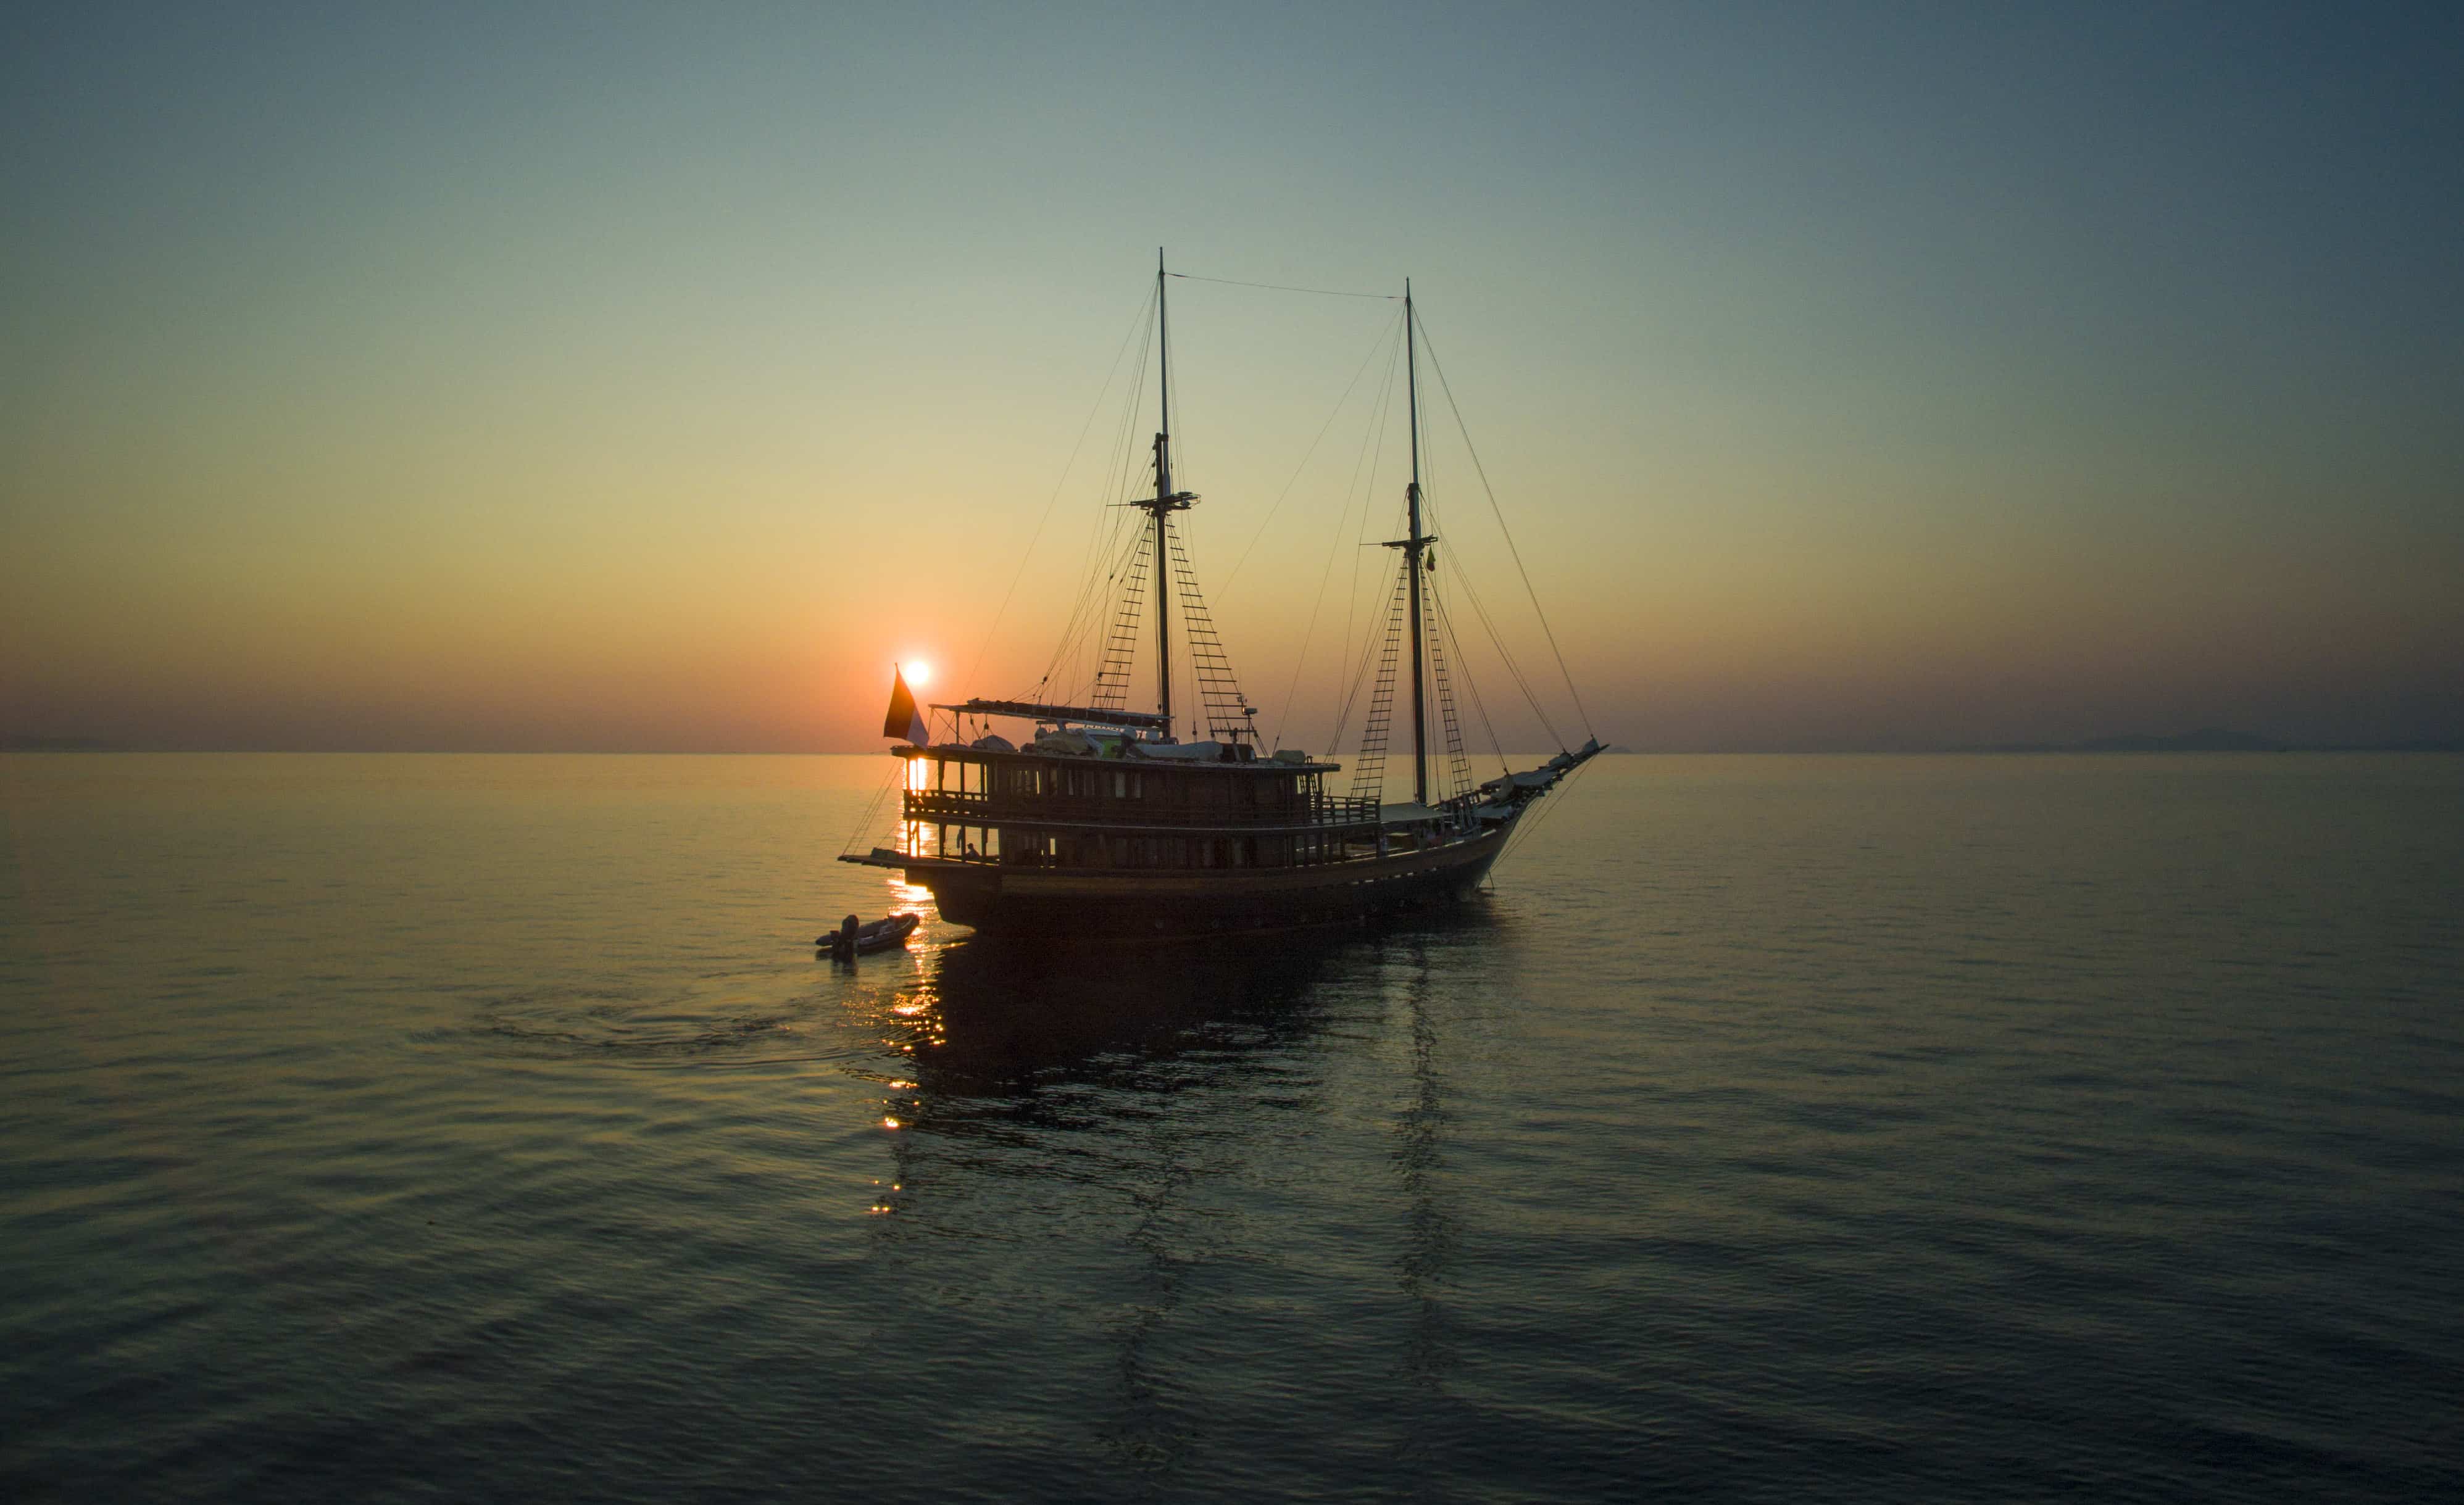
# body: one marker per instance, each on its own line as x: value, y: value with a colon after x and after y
x: 992, y: 810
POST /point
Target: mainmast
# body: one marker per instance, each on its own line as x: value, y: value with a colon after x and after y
x: 1164, y: 503
x: 1413, y: 546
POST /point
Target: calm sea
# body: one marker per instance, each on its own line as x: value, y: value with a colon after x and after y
x: 414, y: 1127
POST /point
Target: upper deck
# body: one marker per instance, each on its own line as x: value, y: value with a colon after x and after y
x: 1123, y: 785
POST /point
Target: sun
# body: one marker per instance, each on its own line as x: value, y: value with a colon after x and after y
x: 919, y: 672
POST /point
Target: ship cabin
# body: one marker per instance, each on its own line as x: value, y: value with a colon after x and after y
x: 1088, y: 796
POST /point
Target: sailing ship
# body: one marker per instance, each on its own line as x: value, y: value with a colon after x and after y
x: 1101, y: 824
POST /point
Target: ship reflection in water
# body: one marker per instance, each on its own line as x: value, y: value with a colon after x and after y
x: 982, y: 1017
x: 1203, y: 1105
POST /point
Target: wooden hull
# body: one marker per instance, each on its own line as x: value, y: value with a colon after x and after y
x: 1067, y: 905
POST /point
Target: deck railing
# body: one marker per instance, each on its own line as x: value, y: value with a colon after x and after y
x: 972, y: 809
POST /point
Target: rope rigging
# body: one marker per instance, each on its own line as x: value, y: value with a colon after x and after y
x: 1058, y: 487
x: 1369, y: 769
x: 1497, y: 642
x: 1372, y: 450
x: 1278, y: 287
x: 1446, y: 624
x: 867, y: 822
x: 1108, y: 612
x: 1107, y: 525
x: 1516, y: 554
x: 1458, y: 764
x: 1385, y: 340
x: 1326, y: 574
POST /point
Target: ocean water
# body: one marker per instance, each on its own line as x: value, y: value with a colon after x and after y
x: 1780, y: 1128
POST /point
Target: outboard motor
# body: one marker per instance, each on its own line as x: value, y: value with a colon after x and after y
x: 842, y: 941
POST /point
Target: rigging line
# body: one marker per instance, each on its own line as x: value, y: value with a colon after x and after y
x: 1105, y: 530
x: 1384, y: 338
x: 1496, y: 639
x: 1524, y: 834
x: 1088, y: 596
x: 1373, y: 446
x: 1093, y: 593
x: 1463, y: 655
x: 1112, y: 478
x: 1124, y: 452
x: 1335, y: 549
x: 1473, y: 451
x: 1125, y: 462
x: 1091, y: 602
x: 1351, y: 693
x: 1112, y: 518
x: 1370, y: 645
x: 1058, y: 487
x: 1278, y: 287
x: 1095, y: 603
x: 1505, y: 655
x: 865, y: 822
x: 1446, y: 620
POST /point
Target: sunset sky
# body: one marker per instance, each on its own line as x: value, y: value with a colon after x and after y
x: 528, y: 377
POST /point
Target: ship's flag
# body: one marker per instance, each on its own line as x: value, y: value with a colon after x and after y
x: 906, y: 718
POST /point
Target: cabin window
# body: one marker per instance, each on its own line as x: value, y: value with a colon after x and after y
x: 977, y: 844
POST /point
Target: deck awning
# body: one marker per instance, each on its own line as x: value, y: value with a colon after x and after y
x: 1087, y: 715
